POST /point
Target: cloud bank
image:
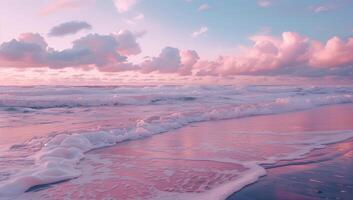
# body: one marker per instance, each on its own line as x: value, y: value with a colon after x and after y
x: 290, y: 54
x: 105, y: 52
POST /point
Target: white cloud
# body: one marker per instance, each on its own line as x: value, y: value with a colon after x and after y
x: 124, y: 5
x: 204, y: 7
x: 199, y: 32
x: 321, y: 8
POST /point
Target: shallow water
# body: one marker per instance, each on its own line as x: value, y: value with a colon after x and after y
x: 46, y: 131
x: 323, y: 174
x: 207, y: 160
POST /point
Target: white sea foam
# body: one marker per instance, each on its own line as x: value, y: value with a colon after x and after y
x: 58, y: 158
x: 255, y: 170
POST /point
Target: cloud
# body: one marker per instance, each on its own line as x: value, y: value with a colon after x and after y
x: 168, y: 61
x: 204, y: 7
x: 288, y: 54
x: 199, y: 32
x: 264, y: 3
x: 330, y: 5
x: 335, y: 53
x: 28, y: 51
x: 104, y: 52
x: 33, y: 38
x: 69, y: 28
x: 124, y: 5
x: 59, y: 5
x: 291, y: 53
x: 127, y: 43
x: 188, y: 59
x: 268, y: 53
x: 320, y: 8
x: 171, y: 60
x: 93, y: 49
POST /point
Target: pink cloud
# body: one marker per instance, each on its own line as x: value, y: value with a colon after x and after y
x: 267, y: 53
x: 290, y: 53
x: 188, y: 59
x: 127, y: 43
x: 29, y: 50
x: 33, y: 38
x: 171, y: 60
x: 335, y: 53
x: 59, y: 5
x: 168, y: 61
x: 93, y: 50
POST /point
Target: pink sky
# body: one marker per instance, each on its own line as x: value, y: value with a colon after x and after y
x: 72, y: 51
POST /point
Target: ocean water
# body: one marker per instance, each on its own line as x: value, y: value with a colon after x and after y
x: 46, y: 132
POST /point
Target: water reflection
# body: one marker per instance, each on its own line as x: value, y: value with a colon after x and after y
x: 205, y: 156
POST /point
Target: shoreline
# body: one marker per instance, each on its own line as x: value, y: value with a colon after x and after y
x: 188, y: 138
x: 317, y: 176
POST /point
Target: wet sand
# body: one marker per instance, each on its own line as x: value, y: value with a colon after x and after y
x: 324, y: 174
x: 320, y: 176
x: 196, y: 159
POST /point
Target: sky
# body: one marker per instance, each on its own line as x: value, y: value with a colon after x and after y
x: 164, y: 41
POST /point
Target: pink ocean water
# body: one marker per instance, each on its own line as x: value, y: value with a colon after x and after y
x: 57, y: 134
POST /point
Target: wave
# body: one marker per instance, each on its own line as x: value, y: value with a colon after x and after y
x: 17, y: 99
x: 57, y: 160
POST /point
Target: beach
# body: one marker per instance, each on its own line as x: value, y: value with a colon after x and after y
x: 176, y: 100
x: 205, y: 161
x: 325, y: 174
